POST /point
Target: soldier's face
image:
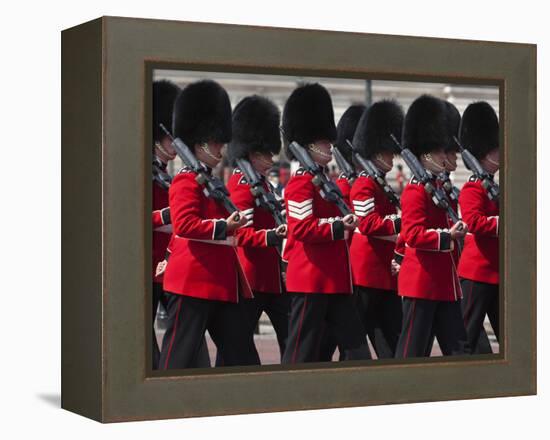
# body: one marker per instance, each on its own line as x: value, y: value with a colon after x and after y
x: 164, y: 150
x: 384, y: 161
x: 209, y: 153
x: 450, y: 162
x: 434, y: 161
x: 490, y: 163
x: 262, y: 162
x: 321, y: 152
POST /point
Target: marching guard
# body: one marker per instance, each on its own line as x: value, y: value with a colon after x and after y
x: 483, y: 345
x: 479, y: 264
x: 444, y: 179
x: 203, y: 281
x: 318, y: 274
x: 256, y: 138
x: 428, y: 279
x: 373, y: 244
x: 164, y: 95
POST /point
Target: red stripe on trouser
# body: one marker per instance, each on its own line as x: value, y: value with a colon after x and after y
x: 406, y: 349
x: 173, y: 335
x: 299, y: 330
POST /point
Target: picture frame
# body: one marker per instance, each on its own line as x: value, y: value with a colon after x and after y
x: 107, y: 67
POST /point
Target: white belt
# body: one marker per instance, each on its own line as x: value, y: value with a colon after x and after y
x: 229, y: 241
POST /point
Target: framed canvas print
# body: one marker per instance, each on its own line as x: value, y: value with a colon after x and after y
x: 264, y: 219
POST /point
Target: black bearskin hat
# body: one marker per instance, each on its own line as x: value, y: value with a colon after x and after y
x: 202, y: 113
x: 164, y: 94
x: 255, y: 127
x: 381, y: 120
x: 308, y: 116
x: 426, y: 127
x: 479, y: 129
x: 453, y: 124
x: 346, y: 129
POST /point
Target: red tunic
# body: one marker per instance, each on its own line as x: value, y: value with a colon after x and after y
x: 316, y: 249
x: 428, y: 269
x: 257, y: 240
x: 479, y: 261
x: 161, y: 227
x: 374, y: 239
x: 343, y: 183
x: 203, y: 262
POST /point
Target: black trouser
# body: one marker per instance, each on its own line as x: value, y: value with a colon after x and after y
x: 203, y: 358
x: 276, y: 306
x: 327, y: 347
x: 479, y: 299
x: 310, y: 314
x: 483, y: 344
x: 328, y: 344
x: 381, y: 314
x: 423, y: 318
x: 189, y: 318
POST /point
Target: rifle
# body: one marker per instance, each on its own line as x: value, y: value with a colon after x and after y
x: 327, y: 188
x: 453, y: 192
x: 264, y: 198
x: 213, y: 186
x: 438, y: 197
x: 343, y: 164
x: 475, y: 167
x: 372, y: 170
x: 159, y: 175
